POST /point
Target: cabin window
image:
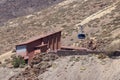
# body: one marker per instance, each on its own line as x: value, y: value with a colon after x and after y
x: 21, y: 49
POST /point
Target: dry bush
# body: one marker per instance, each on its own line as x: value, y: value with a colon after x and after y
x: 73, y: 58
x: 102, y: 56
x: 111, y: 49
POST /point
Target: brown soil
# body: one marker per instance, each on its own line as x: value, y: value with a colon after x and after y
x: 64, y: 15
x: 39, y: 65
x: 83, y: 68
x: 11, y: 9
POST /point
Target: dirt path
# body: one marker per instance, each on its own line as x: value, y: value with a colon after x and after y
x: 6, y: 56
x: 99, y: 14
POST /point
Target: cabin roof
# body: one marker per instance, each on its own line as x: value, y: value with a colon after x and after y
x: 38, y: 37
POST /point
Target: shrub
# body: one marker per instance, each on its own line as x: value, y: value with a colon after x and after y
x: 111, y: 49
x: 18, y: 62
x: 73, y: 58
x: 102, y: 56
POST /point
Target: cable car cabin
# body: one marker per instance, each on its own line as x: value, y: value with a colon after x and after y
x: 81, y: 36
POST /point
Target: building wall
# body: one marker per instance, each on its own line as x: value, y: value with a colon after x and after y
x: 51, y: 41
x: 31, y: 45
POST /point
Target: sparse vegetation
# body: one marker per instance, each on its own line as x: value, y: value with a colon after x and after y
x: 82, y: 68
x: 39, y: 64
x: 60, y: 16
x: 102, y: 56
x: 18, y: 61
x: 73, y: 58
x: 66, y: 17
x: 54, y: 65
x: 112, y: 48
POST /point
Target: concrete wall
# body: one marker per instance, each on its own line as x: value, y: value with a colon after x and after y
x: 76, y: 52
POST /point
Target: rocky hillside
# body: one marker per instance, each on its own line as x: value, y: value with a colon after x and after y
x: 101, y: 21
x: 104, y: 30
x: 75, y: 67
x: 66, y: 15
x: 83, y: 68
x: 10, y: 9
x: 38, y: 66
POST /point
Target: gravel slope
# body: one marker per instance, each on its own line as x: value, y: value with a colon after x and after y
x: 10, y: 9
x: 84, y: 68
x: 65, y: 15
x: 6, y: 73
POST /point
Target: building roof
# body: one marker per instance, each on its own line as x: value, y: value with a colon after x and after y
x: 38, y: 37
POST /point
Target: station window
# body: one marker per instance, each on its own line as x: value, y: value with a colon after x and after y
x: 21, y: 49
